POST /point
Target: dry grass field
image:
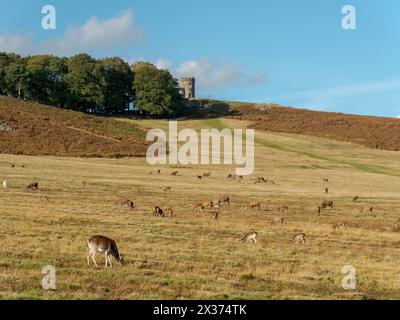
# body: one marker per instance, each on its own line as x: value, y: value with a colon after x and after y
x: 192, y: 256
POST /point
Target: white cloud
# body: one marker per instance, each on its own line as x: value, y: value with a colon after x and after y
x: 19, y: 43
x: 212, y: 76
x: 163, y: 64
x: 92, y: 35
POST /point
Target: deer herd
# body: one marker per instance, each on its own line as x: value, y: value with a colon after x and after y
x: 108, y: 247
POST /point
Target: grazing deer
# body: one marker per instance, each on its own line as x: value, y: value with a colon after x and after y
x: 5, y: 184
x: 253, y: 205
x: 229, y: 176
x: 355, y: 199
x: 199, y: 208
x: 298, y: 238
x: 396, y: 227
x: 33, y: 186
x: 169, y: 213
x: 131, y: 205
x: 158, y: 212
x: 367, y: 210
x: 217, y: 204
x: 84, y: 184
x: 226, y: 200
x: 327, y: 205
x: 13, y: 166
x: 207, y: 174
x: 207, y: 204
x: 45, y: 200
x: 137, y: 191
x: 277, y: 221
x: 167, y: 189
x: 339, y: 224
x: 251, y: 237
x: 100, y: 244
x: 326, y: 180
x: 284, y: 209
x: 175, y: 173
x: 199, y: 177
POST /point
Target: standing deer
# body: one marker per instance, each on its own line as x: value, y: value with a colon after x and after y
x: 169, y: 213
x: 175, y: 173
x: 101, y: 244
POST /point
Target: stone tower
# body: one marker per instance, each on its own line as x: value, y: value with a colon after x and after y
x: 188, y: 86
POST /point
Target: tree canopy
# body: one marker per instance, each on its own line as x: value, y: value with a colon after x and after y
x: 83, y: 83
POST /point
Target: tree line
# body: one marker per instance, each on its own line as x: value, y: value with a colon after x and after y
x: 82, y: 83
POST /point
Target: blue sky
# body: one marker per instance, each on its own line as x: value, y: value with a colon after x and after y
x: 290, y: 52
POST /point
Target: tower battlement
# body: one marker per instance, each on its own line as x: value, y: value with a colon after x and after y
x: 188, y: 87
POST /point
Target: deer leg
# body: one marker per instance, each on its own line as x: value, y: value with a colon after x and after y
x: 109, y: 260
x: 106, y: 257
x: 88, y: 258
x: 93, y: 258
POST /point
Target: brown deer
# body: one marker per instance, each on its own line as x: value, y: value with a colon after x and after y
x: 167, y: 189
x: 169, y: 213
x: 250, y: 238
x: 101, y: 244
x: 339, y: 224
x: 298, y: 238
x: 226, y: 200
x: 355, y: 199
x: 137, y: 191
x: 199, y: 177
x: 253, y: 205
x: 277, y: 221
x: 369, y: 210
x: 33, y: 186
x: 215, y: 215
x: 327, y: 205
x: 207, y: 174
x: 84, y: 184
x: 175, y: 173
x: 158, y: 212
x: 283, y: 210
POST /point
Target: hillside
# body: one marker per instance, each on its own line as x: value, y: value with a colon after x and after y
x: 372, y: 132
x: 29, y: 128
x: 192, y: 256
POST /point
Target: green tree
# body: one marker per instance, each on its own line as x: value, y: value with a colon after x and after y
x: 156, y: 92
x: 16, y: 78
x: 118, y: 91
x: 85, y: 83
x: 46, y: 74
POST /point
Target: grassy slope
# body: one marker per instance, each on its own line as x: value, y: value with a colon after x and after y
x: 372, y: 132
x: 192, y: 256
x: 43, y: 130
